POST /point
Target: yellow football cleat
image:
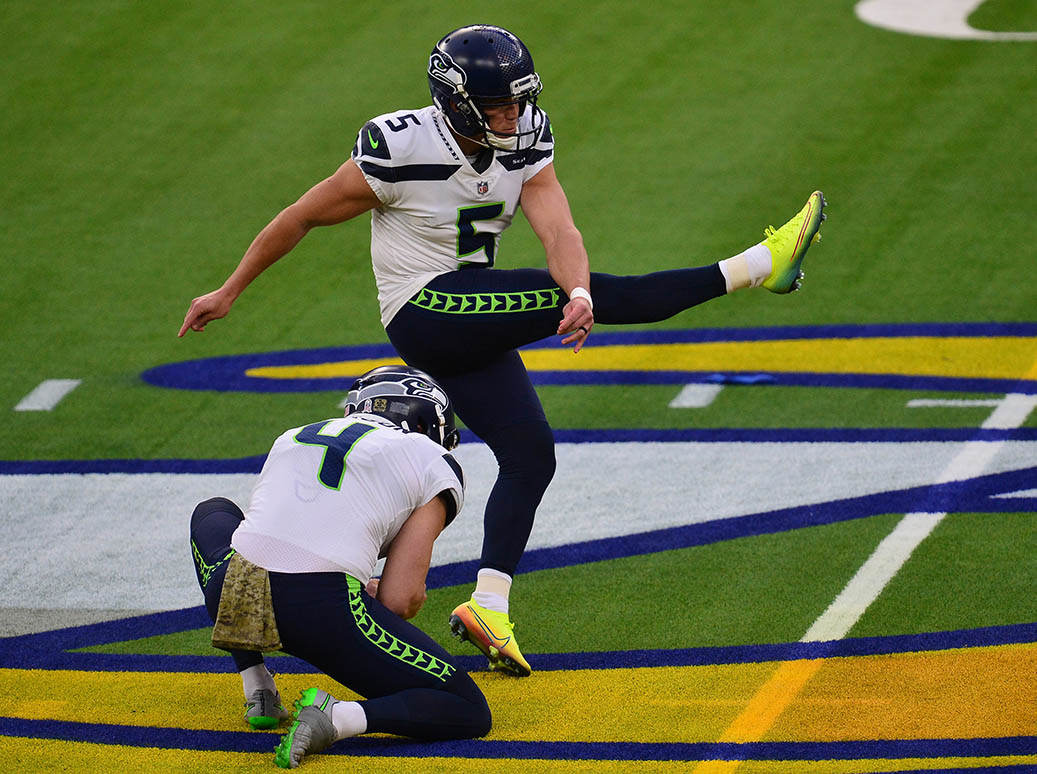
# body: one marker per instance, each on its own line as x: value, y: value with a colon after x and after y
x: 493, y: 634
x: 788, y: 245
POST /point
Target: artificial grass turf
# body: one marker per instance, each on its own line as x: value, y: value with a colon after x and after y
x: 973, y: 570
x: 764, y: 406
x: 675, y: 599
x: 1005, y: 16
x: 145, y: 160
x: 172, y: 416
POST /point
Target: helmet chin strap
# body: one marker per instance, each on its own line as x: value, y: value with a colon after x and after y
x: 501, y: 141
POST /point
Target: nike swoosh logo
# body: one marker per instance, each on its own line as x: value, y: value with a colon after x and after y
x: 803, y: 229
x: 372, y: 140
x: 489, y: 631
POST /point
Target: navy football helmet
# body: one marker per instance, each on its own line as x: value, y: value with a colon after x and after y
x: 407, y: 397
x: 479, y: 65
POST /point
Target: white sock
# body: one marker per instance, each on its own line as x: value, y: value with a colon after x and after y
x: 748, y: 269
x: 349, y: 719
x: 492, y: 589
x: 256, y: 677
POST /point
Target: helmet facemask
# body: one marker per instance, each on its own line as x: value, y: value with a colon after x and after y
x: 524, y: 94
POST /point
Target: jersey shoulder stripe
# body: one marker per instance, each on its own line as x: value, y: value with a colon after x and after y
x: 408, y: 172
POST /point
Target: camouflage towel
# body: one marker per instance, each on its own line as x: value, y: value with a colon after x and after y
x: 245, y: 620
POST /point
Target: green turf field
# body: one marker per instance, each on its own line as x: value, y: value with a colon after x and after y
x: 145, y: 144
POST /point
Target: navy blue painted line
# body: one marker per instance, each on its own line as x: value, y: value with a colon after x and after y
x: 694, y: 751
x: 46, y: 651
x: 26, y: 647
x: 796, y: 435
x: 790, y: 379
x: 139, y: 736
x: 606, y: 336
x: 254, y: 464
x: 240, y: 741
x: 789, y: 651
x: 189, y: 378
x: 42, y: 467
x: 547, y: 662
x: 228, y: 372
x: 954, y: 497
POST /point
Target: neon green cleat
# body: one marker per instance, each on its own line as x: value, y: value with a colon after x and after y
x: 312, y: 730
x: 493, y: 634
x: 264, y: 709
x: 788, y: 245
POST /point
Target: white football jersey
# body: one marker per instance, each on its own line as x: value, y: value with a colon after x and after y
x: 332, y: 495
x: 438, y: 212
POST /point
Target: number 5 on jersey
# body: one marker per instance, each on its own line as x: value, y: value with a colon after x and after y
x: 469, y: 240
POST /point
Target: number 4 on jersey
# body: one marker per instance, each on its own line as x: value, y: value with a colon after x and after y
x: 336, y: 449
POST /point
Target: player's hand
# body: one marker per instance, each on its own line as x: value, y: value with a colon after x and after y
x: 205, y: 309
x: 372, y: 587
x: 576, y: 324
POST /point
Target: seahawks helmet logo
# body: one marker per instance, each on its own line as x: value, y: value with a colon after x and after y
x: 422, y: 389
x: 443, y: 68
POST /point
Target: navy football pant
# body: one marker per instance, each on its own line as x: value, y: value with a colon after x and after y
x: 463, y: 328
x: 411, y: 684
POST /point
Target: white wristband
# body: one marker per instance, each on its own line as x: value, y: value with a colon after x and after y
x: 579, y: 292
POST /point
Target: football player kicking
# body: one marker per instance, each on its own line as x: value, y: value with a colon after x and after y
x: 293, y: 572
x: 442, y: 183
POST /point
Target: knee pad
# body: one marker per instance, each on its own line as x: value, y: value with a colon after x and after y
x: 215, y: 505
x: 212, y: 525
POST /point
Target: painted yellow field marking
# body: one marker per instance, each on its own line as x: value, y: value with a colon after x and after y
x: 961, y: 693
x: 1006, y: 357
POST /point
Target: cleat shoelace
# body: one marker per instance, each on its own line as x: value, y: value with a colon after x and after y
x: 770, y: 231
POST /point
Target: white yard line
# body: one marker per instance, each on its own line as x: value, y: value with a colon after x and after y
x: 953, y: 402
x: 873, y: 576
x: 47, y: 394
x: 696, y: 395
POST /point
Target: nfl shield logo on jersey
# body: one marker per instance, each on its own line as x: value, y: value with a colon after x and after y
x: 482, y: 187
